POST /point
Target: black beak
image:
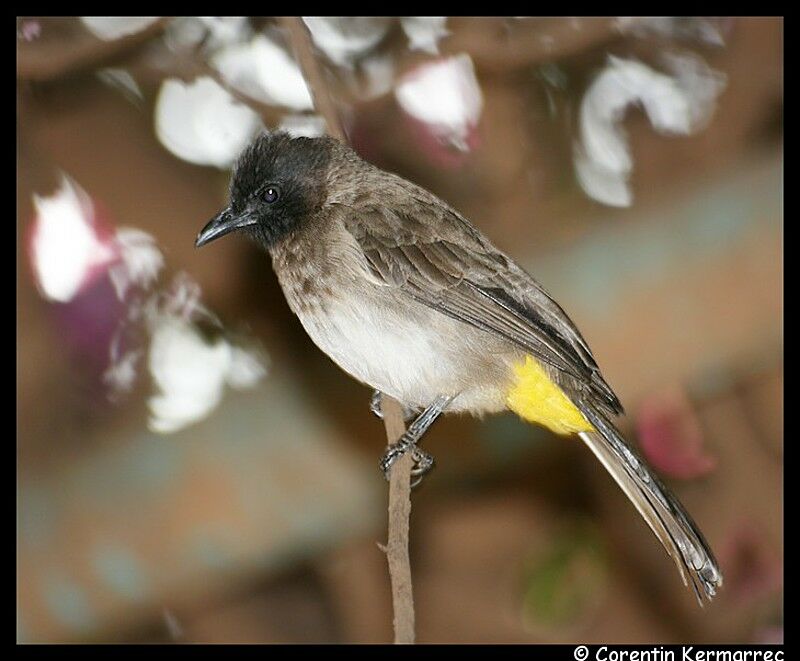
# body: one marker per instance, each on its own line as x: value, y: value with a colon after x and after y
x: 224, y: 222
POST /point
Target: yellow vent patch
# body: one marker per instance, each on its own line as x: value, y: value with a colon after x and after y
x: 534, y: 397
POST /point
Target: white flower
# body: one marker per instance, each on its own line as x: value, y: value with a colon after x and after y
x: 345, y: 38
x: 245, y: 369
x: 424, y: 32
x: 674, y: 105
x: 121, y: 373
x: 109, y: 28
x: 691, y: 28
x: 184, y: 33
x: 66, y: 246
x: 190, y: 373
x: 224, y: 30
x: 263, y: 70
x: 379, y: 71
x: 140, y: 263
x: 700, y: 83
x: 444, y: 94
x: 201, y: 123
x: 187, y: 32
x: 309, y: 126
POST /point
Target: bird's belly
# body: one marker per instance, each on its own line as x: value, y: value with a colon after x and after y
x: 407, y: 352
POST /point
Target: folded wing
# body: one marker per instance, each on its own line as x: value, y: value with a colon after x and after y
x: 438, y: 259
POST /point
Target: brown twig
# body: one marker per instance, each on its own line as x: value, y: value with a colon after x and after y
x: 73, y: 50
x: 400, y: 483
x: 399, y: 515
x: 69, y: 47
x: 304, y: 52
x: 496, y: 47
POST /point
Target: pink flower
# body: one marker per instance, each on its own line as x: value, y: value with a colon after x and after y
x: 671, y: 436
x: 442, y: 104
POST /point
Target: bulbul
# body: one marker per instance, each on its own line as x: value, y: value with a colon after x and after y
x: 407, y: 296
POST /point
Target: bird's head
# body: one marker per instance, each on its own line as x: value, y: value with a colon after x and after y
x: 277, y: 183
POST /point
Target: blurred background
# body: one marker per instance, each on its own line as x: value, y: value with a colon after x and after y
x: 192, y: 469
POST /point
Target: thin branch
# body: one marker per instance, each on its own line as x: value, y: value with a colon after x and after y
x: 304, y: 52
x: 399, y: 515
x: 400, y: 482
x: 495, y: 47
x: 72, y: 48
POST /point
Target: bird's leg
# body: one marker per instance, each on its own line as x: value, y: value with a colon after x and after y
x: 423, y: 461
x: 375, y: 406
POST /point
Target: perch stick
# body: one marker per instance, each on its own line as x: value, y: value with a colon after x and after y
x: 400, y: 479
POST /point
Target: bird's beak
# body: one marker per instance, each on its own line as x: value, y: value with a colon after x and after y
x: 224, y: 222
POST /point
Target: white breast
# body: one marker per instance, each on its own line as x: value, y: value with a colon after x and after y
x: 394, y: 354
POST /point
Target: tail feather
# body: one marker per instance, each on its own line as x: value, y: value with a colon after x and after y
x: 662, y: 511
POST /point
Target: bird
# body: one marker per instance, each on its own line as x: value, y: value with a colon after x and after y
x: 408, y: 297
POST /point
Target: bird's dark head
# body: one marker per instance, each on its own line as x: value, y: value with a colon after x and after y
x: 278, y: 183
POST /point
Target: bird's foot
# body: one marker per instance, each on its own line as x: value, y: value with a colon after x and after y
x: 423, y: 461
x: 375, y: 406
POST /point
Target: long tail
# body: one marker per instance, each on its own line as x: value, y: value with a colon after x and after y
x: 660, y: 509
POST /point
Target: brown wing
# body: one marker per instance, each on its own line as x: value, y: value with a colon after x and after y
x: 436, y: 257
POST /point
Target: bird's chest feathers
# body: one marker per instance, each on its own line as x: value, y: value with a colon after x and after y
x: 314, y: 274
x: 355, y: 322
x: 372, y: 342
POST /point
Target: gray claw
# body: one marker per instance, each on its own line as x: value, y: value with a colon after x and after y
x: 423, y: 461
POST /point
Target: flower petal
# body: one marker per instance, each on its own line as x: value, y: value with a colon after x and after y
x: 201, y: 123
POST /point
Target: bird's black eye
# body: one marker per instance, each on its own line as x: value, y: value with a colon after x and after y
x: 271, y: 195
